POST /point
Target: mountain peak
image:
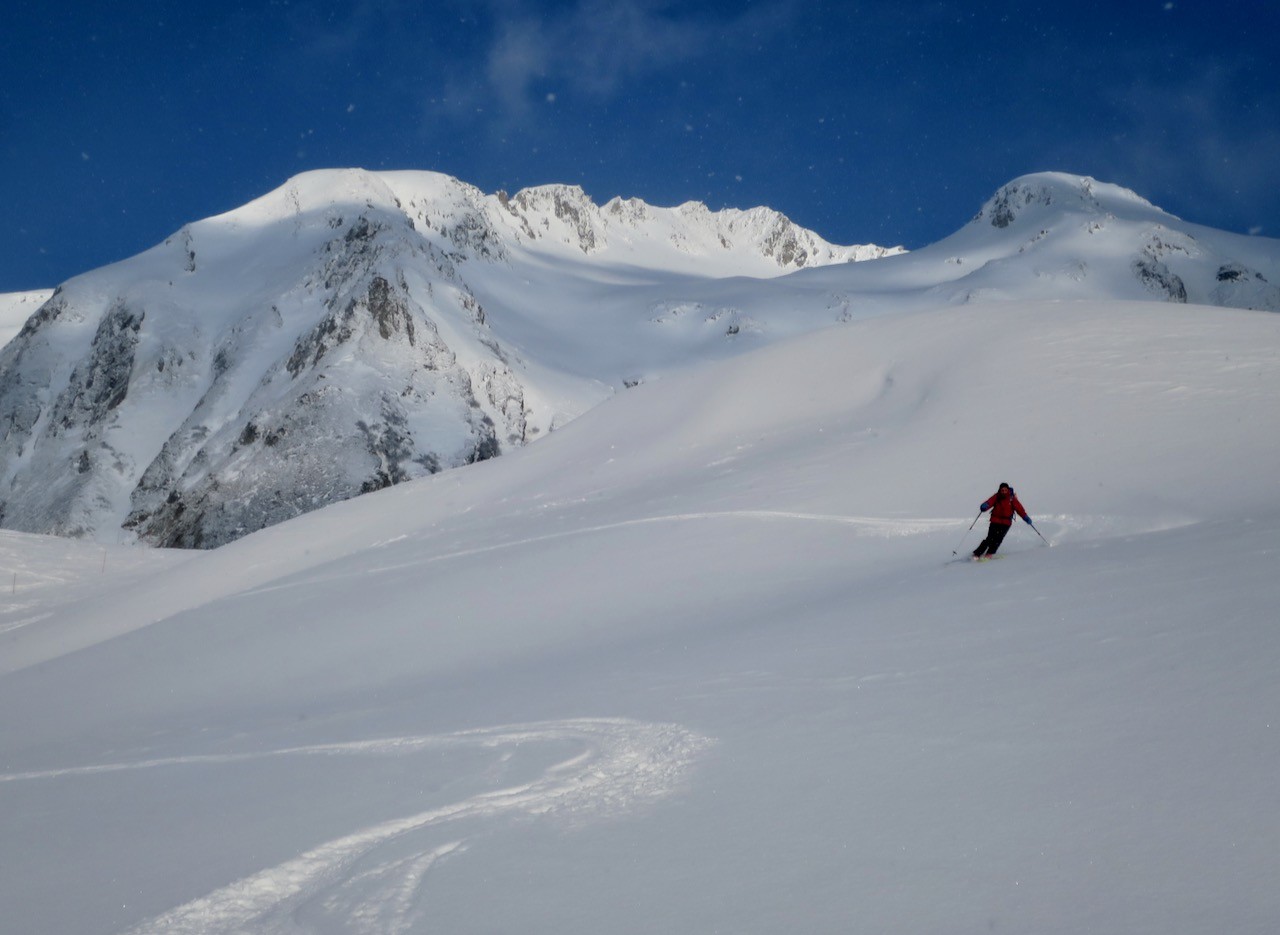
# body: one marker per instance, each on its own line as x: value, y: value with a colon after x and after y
x: 563, y: 213
x: 1032, y: 195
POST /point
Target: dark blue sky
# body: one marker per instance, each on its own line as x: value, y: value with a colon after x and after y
x: 885, y: 122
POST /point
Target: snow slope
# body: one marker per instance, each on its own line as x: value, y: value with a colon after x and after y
x: 699, y: 662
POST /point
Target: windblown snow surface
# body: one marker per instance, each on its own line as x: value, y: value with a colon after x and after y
x: 701, y: 662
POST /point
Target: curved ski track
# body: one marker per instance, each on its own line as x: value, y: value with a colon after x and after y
x: 620, y: 764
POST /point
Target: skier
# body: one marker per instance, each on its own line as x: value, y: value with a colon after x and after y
x: 1003, y: 504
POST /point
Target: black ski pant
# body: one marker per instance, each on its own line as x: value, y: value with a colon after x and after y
x: 995, y: 535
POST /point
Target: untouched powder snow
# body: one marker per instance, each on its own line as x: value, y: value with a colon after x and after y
x: 702, y: 661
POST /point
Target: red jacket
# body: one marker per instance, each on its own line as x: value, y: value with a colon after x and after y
x: 1003, y: 506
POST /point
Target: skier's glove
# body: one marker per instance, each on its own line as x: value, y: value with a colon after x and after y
x: 1027, y: 520
x: 984, y: 508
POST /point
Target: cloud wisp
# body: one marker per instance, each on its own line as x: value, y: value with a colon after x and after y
x: 596, y: 48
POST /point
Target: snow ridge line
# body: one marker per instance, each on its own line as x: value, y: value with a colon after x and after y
x: 622, y: 764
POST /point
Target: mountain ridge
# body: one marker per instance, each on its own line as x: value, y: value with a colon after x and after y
x: 404, y: 323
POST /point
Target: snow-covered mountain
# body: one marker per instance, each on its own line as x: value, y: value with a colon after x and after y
x: 329, y: 339
x: 353, y: 330
x: 1081, y: 237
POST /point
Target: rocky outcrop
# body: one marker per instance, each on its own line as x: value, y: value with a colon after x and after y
x: 313, y: 432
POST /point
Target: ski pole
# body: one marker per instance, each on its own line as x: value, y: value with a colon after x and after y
x: 956, y: 550
x: 1040, y: 534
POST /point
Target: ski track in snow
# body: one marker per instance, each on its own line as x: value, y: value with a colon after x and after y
x: 621, y: 764
x: 865, y: 525
x: 886, y: 527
